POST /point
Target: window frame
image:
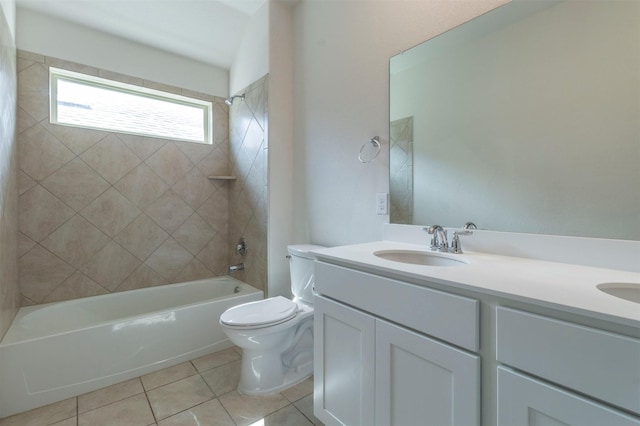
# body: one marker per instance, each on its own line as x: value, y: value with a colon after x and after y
x: 58, y: 74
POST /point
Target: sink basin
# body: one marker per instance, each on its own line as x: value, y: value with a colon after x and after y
x: 627, y: 291
x: 419, y: 258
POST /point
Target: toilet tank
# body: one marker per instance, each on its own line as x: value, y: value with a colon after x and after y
x: 301, y: 270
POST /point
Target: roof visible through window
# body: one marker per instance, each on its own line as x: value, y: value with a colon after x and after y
x: 86, y: 101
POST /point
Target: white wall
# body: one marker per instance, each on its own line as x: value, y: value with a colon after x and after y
x: 252, y: 59
x: 9, y: 10
x: 280, y: 146
x: 341, y: 52
x: 54, y: 37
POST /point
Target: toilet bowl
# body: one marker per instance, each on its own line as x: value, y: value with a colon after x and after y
x: 276, y: 334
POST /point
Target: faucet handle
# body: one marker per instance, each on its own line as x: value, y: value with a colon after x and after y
x: 456, y: 247
x: 242, y: 247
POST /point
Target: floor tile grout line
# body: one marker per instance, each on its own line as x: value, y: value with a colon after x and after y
x: 112, y: 402
x: 228, y: 413
x: 190, y: 408
x: 190, y: 375
x: 145, y: 391
x: 186, y: 409
x: 57, y: 421
x: 212, y: 368
x: 208, y: 386
x: 168, y: 383
x: 149, y: 404
x: 303, y: 414
x: 218, y: 396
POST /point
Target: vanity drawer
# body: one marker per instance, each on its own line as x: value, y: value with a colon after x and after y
x: 597, y: 363
x: 524, y: 400
x: 448, y: 317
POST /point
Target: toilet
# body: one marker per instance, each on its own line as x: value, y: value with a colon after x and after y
x: 276, y: 334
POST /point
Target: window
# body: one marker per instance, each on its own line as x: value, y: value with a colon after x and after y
x: 82, y: 100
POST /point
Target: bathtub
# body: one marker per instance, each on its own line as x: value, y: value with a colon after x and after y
x: 58, y: 350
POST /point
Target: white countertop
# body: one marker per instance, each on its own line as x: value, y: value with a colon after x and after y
x: 563, y: 286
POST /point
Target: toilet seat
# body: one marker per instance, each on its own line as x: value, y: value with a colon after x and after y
x: 263, y: 313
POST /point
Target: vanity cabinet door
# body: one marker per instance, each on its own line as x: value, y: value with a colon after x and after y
x: 343, y: 364
x: 525, y: 401
x: 420, y: 381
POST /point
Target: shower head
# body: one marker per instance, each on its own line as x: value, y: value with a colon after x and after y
x: 229, y: 101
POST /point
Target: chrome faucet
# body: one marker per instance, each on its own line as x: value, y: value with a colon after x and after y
x: 237, y: 267
x: 439, y: 238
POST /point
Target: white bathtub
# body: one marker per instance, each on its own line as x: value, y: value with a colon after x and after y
x: 55, y: 351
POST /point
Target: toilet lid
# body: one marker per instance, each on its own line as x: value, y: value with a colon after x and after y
x: 263, y: 312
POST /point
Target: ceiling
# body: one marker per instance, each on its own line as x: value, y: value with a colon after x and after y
x: 209, y: 31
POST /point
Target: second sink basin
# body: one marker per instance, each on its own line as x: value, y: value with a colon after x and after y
x: 626, y: 291
x: 417, y: 257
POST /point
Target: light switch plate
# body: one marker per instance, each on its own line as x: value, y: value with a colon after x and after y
x: 382, y: 203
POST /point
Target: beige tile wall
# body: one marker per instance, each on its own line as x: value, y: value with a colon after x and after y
x: 401, y: 170
x: 248, y: 144
x: 9, y: 294
x: 101, y: 212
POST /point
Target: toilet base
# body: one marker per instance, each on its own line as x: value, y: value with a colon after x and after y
x: 291, y: 378
x: 264, y: 372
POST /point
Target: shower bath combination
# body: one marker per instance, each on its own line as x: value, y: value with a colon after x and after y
x: 229, y: 100
x: 242, y: 249
x: 126, y: 335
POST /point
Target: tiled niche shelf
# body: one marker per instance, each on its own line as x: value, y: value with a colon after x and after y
x: 222, y: 177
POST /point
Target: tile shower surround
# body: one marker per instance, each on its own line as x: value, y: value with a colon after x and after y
x: 248, y: 145
x: 101, y: 212
x: 9, y: 292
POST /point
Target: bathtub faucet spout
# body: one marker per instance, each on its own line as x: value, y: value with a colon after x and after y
x: 238, y: 267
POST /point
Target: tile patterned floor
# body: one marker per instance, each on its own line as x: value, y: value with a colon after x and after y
x: 196, y: 393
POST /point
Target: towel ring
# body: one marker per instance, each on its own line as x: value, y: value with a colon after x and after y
x: 369, y: 150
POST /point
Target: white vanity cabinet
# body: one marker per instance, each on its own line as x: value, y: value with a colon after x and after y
x: 344, y: 347
x: 420, y: 381
x: 583, y: 376
x: 398, y: 343
x: 375, y: 363
x: 526, y: 401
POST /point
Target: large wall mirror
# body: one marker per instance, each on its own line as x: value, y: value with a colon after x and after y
x: 525, y: 119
